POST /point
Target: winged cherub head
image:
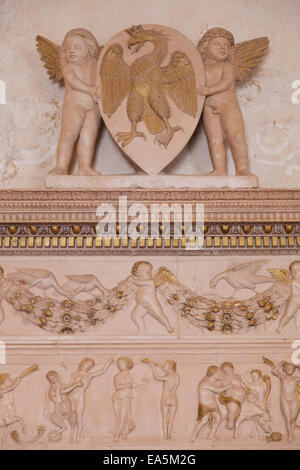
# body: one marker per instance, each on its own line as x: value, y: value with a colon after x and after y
x: 216, y: 44
x: 78, y: 46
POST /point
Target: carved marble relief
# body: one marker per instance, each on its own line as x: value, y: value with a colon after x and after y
x: 9, y: 417
x: 148, y: 77
x: 166, y: 373
x: 69, y: 400
x: 74, y: 62
x: 273, y: 130
x: 221, y: 377
x: 156, y: 296
x: 166, y: 344
x: 178, y: 76
x: 224, y: 63
x: 244, y: 398
x: 196, y: 404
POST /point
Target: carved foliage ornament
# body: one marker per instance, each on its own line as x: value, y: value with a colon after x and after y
x: 277, y: 302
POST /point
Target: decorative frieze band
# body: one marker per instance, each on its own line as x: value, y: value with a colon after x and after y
x: 64, y: 222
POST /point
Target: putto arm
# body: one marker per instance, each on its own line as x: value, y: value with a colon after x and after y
x: 103, y: 370
x: 225, y: 83
x: 11, y: 387
x: 220, y: 389
x: 142, y: 382
x: 156, y: 376
x: 75, y: 83
x: 71, y: 387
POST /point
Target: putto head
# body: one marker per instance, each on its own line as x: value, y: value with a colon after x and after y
x: 125, y: 363
x: 216, y: 44
x: 295, y: 269
x: 256, y: 374
x: 52, y: 376
x: 86, y: 364
x: 77, y: 44
x: 217, y: 33
x: 227, y: 367
x: 141, y: 267
x: 211, y: 370
x: 170, y: 365
x: 289, y: 368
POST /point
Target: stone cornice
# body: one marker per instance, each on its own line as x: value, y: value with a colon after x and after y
x: 63, y: 222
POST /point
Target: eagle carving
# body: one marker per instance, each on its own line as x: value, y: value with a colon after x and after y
x: 148, y: 85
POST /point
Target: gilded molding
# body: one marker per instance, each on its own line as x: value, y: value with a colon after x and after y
x: 63, y: 222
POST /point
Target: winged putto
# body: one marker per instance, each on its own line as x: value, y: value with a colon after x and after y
x: 82, y: 302
x: 225, y: 62
x: 74, y: 62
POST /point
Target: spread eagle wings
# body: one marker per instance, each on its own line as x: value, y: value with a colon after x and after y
x: 280, y: 275
x: 49, y: 52
x: 247, y: 55
x: 180, y: 82
x: 115, y: 79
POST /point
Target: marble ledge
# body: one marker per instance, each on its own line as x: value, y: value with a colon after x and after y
x: 160, y: 181
x: 158, y: 444
x: 216, y: 344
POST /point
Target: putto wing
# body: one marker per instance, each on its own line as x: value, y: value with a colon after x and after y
x: 247, y: 55
x: 280, y: 275
x: 49, y: 52
x: 165, y: 276
x: 180, y: 81
x: 115, y: 79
